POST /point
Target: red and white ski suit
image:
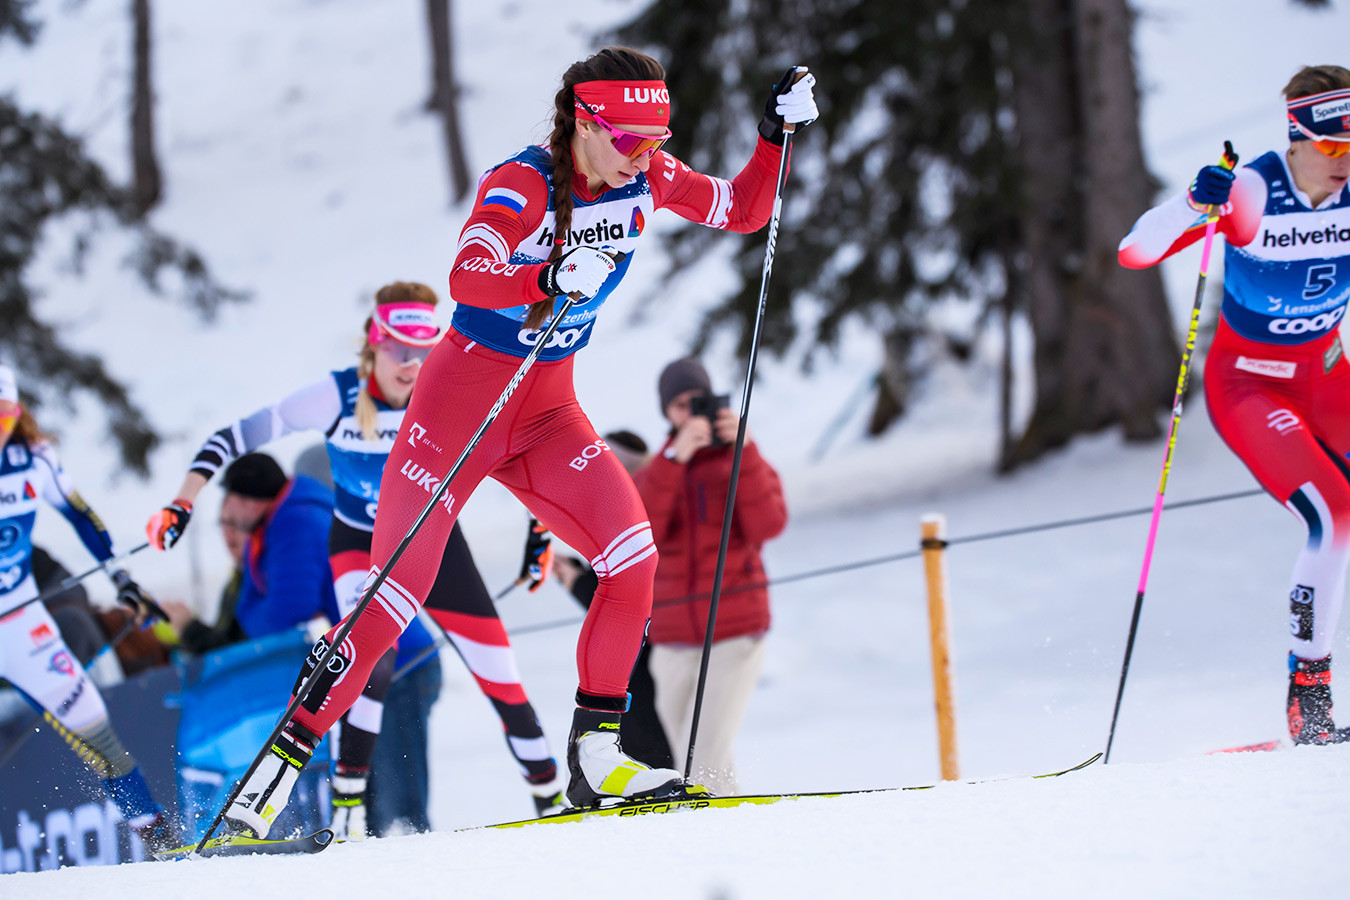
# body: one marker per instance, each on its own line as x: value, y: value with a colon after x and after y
x: 542, y: 447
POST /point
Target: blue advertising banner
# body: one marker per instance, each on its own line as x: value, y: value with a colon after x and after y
x: 193, y: 728
x: 230, y: 701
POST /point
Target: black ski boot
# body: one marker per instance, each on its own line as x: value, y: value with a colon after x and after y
x: 1309, y: 703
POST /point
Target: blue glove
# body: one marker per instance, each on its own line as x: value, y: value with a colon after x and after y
x: 1212, y: 186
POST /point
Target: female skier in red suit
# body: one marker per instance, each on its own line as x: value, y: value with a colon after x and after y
x: 546, y: 223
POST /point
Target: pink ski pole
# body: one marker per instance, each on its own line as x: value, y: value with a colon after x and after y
x: 1229, y: 161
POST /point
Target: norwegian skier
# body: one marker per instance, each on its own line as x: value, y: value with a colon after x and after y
x: 33, y: 656
x: 1276, y: 380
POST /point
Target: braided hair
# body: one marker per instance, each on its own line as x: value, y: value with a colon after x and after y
x: 610, y: 64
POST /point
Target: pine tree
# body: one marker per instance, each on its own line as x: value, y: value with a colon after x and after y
x: 915, y: 187
x: 45, y: 174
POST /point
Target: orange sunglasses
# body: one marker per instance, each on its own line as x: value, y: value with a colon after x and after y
x: 1334, y: 147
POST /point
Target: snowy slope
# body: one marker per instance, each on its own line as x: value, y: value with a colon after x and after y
x: 1199, y: 828
x: 297, y: 157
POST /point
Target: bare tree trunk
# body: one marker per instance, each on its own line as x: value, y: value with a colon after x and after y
x: 1015, y: 265
x: 895, y: 380
x: 1145, y: 355
x: 1105, y: 349
x: 445, y: 96
x: 147, y: 187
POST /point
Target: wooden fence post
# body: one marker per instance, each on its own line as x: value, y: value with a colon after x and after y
x: 933, y: 529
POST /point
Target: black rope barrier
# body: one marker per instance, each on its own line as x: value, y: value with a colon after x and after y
x: 913, y: 554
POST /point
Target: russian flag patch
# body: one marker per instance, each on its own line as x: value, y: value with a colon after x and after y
x: 505, y: 198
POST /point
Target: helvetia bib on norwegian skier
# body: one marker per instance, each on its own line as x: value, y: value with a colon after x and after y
x: 1289, y: 284
x: 1277, y: 384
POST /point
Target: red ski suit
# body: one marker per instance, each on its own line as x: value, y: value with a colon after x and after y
x: 542, y: 447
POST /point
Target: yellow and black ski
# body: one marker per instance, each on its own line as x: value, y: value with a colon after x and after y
x: 239, y: 845
x: 695, y: 797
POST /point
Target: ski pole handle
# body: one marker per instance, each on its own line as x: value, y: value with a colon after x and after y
x: 1229, y: 161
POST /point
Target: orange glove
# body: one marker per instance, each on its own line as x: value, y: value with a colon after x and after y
x: 538, y: 556
x: 167, y: 525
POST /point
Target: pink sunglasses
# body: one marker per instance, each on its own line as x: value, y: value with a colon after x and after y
x: 628, y: 143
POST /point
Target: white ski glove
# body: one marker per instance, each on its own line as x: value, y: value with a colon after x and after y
x: 582, y: 271
x: 789, y: 102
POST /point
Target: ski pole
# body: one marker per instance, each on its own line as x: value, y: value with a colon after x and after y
x: 434, y: 647
x: 788, y: 129
x: 349, y: 622
x: 508, y: 589
x: 71, y: 580
x: 31, y: 727
x: 1228, y: 161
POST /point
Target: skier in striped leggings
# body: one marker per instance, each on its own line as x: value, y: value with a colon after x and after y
x: 360, y: 410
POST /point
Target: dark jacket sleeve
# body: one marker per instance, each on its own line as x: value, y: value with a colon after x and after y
x: 198, y: 637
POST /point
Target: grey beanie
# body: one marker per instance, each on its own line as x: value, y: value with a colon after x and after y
x: 682, y: 375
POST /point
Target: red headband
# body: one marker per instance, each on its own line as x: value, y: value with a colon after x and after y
x: 624, y: 102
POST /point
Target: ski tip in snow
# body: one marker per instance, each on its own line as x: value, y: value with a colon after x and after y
x: 1252, y: 748
x: 239, y: 845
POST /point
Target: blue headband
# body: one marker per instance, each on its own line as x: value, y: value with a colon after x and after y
x: 1322, y: 114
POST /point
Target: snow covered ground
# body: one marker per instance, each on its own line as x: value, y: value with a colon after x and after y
x: 297, y: 158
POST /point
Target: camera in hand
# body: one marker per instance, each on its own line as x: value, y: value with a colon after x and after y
x: 707, y: 405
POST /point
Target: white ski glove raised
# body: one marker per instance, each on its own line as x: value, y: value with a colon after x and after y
x: 791, y: 103
x: 582, y: 271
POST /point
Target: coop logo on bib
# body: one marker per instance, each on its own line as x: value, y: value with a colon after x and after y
x: 1310, y: 323
x: 564, y: 337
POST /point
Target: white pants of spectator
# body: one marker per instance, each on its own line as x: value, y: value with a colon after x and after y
x: 733, y: 671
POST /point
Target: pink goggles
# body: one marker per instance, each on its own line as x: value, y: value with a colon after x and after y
x: 405, y: 332
x: 630, y: 144
x: 407, y: 323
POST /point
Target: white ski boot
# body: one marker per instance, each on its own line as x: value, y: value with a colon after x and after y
x: 601, y: 771
x: 349, y: 808
x: 548, y: 798
x: 262, y: 798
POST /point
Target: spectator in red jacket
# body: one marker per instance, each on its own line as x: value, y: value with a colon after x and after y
x: 685, y: 489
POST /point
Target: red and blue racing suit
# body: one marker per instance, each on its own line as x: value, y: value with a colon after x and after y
x: 541, y: 447
x: 1276, y: 380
